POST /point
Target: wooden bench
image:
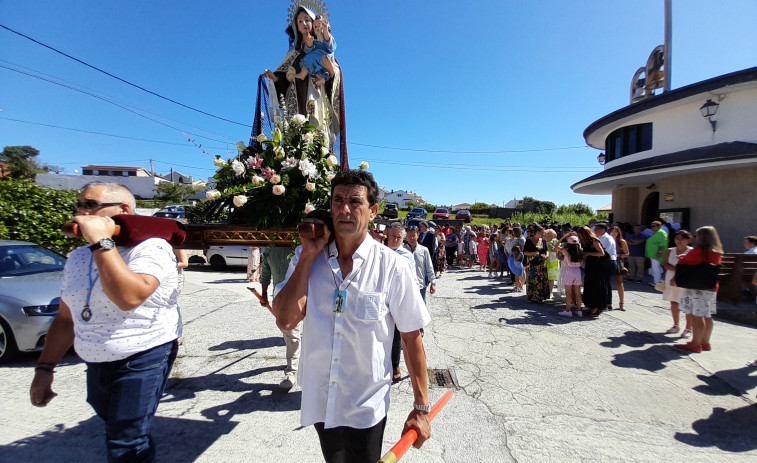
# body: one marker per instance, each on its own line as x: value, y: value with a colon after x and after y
x: 736, y: 273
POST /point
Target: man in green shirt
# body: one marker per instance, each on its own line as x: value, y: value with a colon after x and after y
x: 655, y: 250
x: 275, y: 262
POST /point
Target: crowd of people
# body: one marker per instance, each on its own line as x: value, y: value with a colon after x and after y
x: 582, y: 265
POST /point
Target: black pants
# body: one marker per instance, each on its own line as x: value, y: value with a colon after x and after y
x: 349, y: 445
x: 450, y: 252
x: 396, y: 348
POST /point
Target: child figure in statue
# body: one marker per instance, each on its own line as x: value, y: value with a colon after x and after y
x: 318, y: 52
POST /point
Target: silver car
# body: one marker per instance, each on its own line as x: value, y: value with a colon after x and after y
x: 30, y: 282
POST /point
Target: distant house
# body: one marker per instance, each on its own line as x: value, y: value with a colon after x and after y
x: 461, y: 206
x: 139, y: 180
x: 401, y: 197
x: 4, y: 170
x: 512, y: 204
x: 606, y: 209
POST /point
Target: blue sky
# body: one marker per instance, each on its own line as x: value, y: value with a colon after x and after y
x: 457, y: 101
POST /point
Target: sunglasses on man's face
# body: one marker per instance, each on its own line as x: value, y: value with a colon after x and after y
x: 91, y: 205
x: 412, y: 227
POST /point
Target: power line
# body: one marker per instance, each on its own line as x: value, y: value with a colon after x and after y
x: 467, y: 152
x: 111, y: 102
x: 105, y: 134
x: 101, y: 96
x: 486, y: 168
x: 122, y: 80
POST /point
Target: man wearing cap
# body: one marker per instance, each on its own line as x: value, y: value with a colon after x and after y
x: 351, y: 292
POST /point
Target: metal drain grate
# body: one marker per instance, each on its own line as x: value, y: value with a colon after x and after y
x: 442, y: 378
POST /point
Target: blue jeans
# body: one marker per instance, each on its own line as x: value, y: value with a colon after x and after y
x: 125, y: 394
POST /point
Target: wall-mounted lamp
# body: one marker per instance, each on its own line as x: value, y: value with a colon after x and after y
x: 601, y: 158
x: 709, y: 111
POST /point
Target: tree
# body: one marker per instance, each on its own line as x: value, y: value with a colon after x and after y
x: 173, y: 192
x: 35, y: 213
x: 21, y: 161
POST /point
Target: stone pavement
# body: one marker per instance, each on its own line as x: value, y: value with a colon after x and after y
x: 531, y: 386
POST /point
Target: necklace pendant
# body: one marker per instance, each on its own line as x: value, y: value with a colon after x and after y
x: 86, y: 314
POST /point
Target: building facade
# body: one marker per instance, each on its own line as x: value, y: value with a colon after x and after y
x: 664, y: 158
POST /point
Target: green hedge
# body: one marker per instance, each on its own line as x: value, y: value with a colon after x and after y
x: 32, y: 212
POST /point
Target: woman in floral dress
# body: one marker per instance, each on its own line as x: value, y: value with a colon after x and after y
x: 537, y: 282
x: 441, y: 253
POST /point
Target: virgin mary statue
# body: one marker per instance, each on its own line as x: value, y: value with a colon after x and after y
x: 307, y: 82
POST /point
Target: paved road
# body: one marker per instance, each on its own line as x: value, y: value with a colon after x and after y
x: 532, y: 386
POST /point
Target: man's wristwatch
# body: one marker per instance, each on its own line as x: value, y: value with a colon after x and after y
x: 424, y: 408
x: 105, y: 244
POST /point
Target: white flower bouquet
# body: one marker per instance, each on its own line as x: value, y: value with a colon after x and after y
x: 273, y: 183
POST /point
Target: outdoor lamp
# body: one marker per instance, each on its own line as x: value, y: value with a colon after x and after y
x: 601, y: 158
x: 709, y: 110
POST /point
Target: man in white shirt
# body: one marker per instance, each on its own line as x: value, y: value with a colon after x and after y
x: 610, y: 261
x: 350, y: 292
x: 118, y: 308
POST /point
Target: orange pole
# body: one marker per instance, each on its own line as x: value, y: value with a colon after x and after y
x: 409, y: 438
x: 260, y: 298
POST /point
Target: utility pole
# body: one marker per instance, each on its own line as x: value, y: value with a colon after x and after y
x: 667, y: 51
x: 152, y: 172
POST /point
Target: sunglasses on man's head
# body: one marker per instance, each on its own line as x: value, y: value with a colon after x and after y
x: 412, y: 227
x: 91, y: 205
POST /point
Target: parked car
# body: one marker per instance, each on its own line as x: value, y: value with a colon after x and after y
x: 391, y: 211
x: 440, y: 213
x: 220, y: 257
x: 169, y: 215
x: 417, y: 212
x: 464, y: 215
x: 30, y: 282
x: 174, y: 208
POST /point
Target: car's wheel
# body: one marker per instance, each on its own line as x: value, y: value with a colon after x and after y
x: 8, y: 348
x: 217, y: 263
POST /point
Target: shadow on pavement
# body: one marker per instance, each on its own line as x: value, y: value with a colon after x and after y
x: 738, y: 381
x: 650, y: 359
x: 177, y: 440
x: 249, y: 344
x: 731, y: 431
x: 633, y: 339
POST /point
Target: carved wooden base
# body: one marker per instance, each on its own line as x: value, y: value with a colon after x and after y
x: 201, y: 236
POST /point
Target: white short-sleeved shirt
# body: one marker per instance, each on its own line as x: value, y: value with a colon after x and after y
x: 345, y: 365
x: 608, y: 243
x: 113, y: 334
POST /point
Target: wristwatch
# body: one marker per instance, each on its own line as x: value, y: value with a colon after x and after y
x: 105, y: 244
x: 424, y: 408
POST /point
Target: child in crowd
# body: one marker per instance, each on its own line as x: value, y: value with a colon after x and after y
x: 553, y: 264
x: 673, y: 293
x: 515, y: 263
x: 483, y: 249
x: 573, y: 258
x: 493, y: 255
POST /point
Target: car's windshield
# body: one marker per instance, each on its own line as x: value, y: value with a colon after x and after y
x: 441, y: 210
x: 419, y: 210
x: 27, y: 259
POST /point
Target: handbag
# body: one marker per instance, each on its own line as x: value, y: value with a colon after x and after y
x: 700, y: 276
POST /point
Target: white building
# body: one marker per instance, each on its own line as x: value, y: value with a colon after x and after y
x: 664, y: 159
x: 401, y: 197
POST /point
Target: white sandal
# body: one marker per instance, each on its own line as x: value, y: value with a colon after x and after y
x: 673, y: 329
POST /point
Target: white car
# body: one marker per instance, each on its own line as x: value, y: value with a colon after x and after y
x: 220, y: 257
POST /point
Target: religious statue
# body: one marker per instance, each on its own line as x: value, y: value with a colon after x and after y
x: 308, y: 81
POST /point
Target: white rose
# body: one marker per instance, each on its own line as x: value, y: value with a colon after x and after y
x: 298, y: 119
x: 330, y: 176
x: 240, y: 200
x: 257, y: 180
x: 212, y: 194
x: 237, y: 167
x: 261, y: 138
x: 364, y: 165
x: 324, y: 151
x: 309, y: 208
x: 241, y: 146
x: 276, y: 179
x: 278, y: 190
x: 310, y: 186
x: 331, y: 161
x: 308, y: 138
x: 218, y: 162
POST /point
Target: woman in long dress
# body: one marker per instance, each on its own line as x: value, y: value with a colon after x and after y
x: 536, y: 252
x: 673, y: 293
x: 595, y: 289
